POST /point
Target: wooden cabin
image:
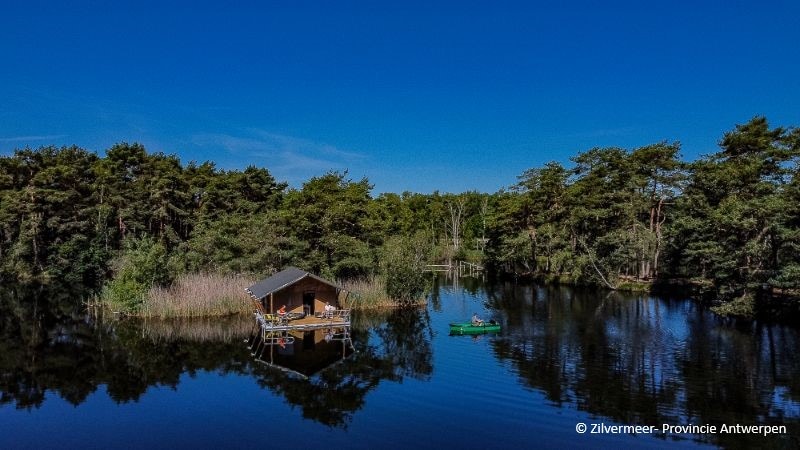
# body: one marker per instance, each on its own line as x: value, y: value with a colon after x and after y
x: 300, y: 291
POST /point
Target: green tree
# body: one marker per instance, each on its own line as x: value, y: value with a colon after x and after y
x: 141, y: 266
x: 735, y: 222
x: 258, y: 244
x: 404, y: 259
x: 331, y: 214
x: 47, y: 211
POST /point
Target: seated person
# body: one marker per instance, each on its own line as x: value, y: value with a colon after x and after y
x: 477, y: 321
x: 282, y: 310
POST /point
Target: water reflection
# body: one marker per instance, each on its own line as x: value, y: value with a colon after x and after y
x: 328, y: 372
x: 217, y: 329
x: 451, y: 281
x: 642, y: 360
x: 49, y: 348
x: 631, y: 359
x: 303, y: 353
x: 405, y: 344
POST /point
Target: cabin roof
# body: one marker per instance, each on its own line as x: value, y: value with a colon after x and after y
x: 282, y: 279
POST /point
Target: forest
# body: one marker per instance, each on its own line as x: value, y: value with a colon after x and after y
x: 726, y: 225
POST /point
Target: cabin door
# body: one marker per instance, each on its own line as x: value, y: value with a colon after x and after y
x: 308, y: 302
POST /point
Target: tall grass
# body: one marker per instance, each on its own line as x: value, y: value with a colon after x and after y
x: 198, y: 295
x: 371, y: 294
x: 211, y: 295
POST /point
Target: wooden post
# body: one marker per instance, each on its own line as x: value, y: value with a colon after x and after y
x: 344, y: 302
x: 271, y: 309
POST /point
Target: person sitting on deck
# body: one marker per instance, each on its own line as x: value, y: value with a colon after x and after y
x: 329, y: 309
x: 477, y: 321
x: 282, y: 310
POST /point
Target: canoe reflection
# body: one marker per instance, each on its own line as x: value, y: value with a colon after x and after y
x: 302, y: 353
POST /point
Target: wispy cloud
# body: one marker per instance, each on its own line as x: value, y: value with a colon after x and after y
x: 291, y: 143
x: 50, y: 137
x: 284, y: 155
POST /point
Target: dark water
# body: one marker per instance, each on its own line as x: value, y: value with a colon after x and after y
x: 564, y: 356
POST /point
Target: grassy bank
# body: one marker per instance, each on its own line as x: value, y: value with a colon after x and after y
x: 214, y: 295
x: 687, y: 287
x: 371, y: 294
x: 199, y: 295
x: 190, y: 295
x: 773, y: 303
x: 623, y: 284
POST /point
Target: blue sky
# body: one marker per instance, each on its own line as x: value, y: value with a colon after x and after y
x: 414, y: 96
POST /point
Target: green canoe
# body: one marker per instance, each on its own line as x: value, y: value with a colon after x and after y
x: 469, y: 328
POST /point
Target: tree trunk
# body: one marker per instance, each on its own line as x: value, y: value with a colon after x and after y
x: 591, y: 260
x: 456, y: 218
x: 659, y: 221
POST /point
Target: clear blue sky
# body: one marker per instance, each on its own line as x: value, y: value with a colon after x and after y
x: 416, y: 96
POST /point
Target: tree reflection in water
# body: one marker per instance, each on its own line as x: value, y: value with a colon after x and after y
x: 385, y: 346
x: 632, y: 359
x: 405, y: 344
x: 46, y: 348
x: 640, y: 360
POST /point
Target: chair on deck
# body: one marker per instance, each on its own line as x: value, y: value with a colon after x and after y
x: 276, y: 319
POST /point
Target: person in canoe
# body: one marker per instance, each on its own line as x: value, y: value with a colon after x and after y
x: 477, y: 321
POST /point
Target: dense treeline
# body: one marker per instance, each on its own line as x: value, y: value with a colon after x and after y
x: 728, y: 222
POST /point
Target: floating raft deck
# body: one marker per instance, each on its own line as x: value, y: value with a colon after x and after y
x: 306, y: 323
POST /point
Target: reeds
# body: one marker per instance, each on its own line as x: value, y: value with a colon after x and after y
x: 198, y: 295
x: 370, y: 293
x: 213, y: 295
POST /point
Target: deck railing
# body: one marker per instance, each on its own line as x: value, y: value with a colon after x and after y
x: 343, y: 314
x: 275, y: 322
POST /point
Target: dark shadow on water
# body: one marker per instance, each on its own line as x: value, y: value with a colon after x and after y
x: 634, y: 359
x: 48, y: 346
x: 404, y: 340
x: 637, y: 359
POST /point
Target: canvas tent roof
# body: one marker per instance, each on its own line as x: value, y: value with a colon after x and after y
x: 282, y: 279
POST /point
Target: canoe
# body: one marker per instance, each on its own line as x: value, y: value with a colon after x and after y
x: 469, y: 328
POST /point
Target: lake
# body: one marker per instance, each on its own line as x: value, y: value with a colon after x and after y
x: 397, y: 379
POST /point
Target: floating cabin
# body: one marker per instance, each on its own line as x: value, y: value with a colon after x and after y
x: 304, y: 295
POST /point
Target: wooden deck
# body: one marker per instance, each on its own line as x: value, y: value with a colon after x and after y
x: 309, y: 323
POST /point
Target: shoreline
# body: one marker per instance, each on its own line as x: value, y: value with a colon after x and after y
x: 773, y: 306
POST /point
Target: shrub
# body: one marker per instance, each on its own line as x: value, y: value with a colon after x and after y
x: 141, y: 265
x: 743, y: 306
x: 404, y: 260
